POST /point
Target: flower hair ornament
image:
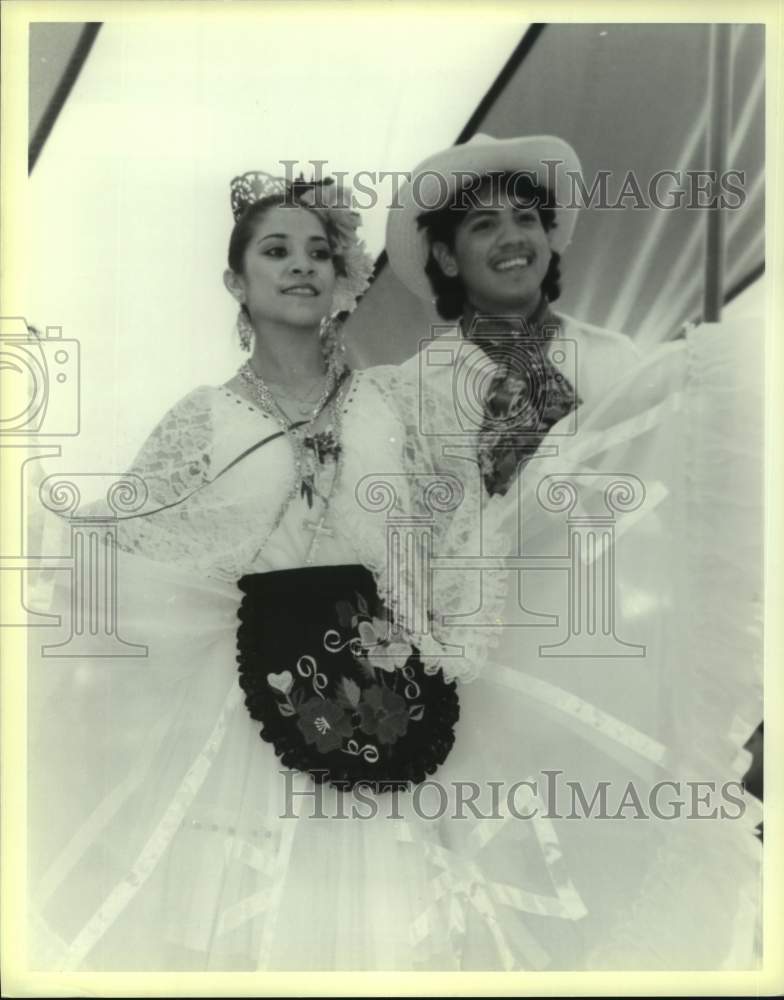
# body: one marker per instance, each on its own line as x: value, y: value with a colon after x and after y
x: 332, y: 202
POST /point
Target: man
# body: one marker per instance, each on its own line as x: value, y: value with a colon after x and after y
x: 480, y: 231
x: 635, y: 670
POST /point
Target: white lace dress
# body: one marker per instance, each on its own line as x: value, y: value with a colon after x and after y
x: 165, y: 834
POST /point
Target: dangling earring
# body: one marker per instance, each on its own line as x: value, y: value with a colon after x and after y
x: 245, y: 329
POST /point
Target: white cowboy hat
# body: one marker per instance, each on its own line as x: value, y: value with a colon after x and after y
x: 435, y: 179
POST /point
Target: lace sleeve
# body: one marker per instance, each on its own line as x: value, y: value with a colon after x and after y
x: 173, y: 462
x: 176, y: 457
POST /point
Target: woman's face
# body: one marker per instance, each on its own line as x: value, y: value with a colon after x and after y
x: 288, y: 273
x: 501, y: 255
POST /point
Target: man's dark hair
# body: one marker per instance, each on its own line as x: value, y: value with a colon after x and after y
x: 440, y: 226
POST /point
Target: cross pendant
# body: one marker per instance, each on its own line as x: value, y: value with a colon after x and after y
x: 318, y: 528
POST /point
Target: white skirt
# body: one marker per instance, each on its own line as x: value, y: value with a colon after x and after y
x: 589, y: 815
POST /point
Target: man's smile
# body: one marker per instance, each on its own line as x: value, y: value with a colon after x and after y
x: 518, y: 261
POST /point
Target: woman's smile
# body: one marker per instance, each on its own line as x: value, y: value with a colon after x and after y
x: 305, y: 289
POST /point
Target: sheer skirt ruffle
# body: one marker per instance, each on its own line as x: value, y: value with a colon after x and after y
x: 164, y: 835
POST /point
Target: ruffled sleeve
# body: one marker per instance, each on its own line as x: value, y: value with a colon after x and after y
x: 413, y: 490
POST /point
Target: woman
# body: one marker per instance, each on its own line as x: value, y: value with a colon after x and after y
x: 303, y: 506
x: 250, y: 510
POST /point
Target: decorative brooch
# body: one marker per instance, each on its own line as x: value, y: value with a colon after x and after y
x: 323, y: 445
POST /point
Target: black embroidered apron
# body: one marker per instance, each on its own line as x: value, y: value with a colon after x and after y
x: 337, y: 697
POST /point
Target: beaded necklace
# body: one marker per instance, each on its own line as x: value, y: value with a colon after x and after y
x: 310, y: 450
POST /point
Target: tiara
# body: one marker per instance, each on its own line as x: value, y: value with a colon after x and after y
x: 252, y: 187
x: 327, y: 199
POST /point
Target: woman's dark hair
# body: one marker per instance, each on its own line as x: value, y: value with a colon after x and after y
x: 245, y: 228
x: 440, y: 226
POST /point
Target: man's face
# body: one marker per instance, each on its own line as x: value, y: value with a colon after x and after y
x: 501, y: 255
